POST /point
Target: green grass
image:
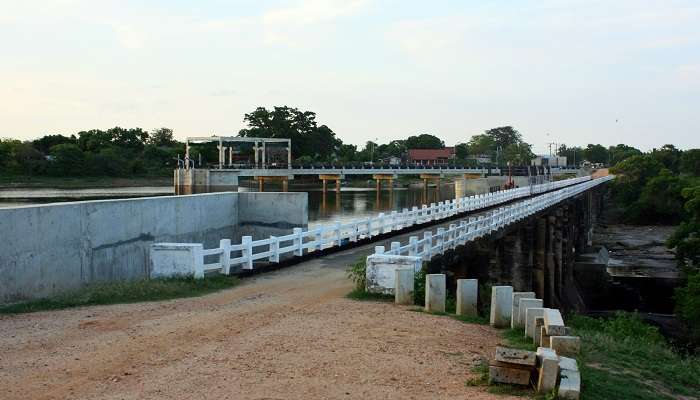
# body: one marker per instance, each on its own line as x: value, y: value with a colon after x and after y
x: 624, y: 358
x: 363, y: 295
x: 125, y: 292
x: 515, y: 338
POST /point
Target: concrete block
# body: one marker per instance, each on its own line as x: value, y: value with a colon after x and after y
x: 554, y: 323
x: 405, y: 279
x: 501, y: 306
x: 566, y: 345
x: 566, y: 363
x: 508, y: 373
x: 435, y: 292
x: 467, y: 296
x: 570, y: 385
x: 515, y: 311
x: 380, y: 271
x: 516, y: 356
x: 548, y: 369
x: 176, y: 259
x: 544, y: 338
x: 522, y: 310
x: 530, y: 315
x: 537, y: 337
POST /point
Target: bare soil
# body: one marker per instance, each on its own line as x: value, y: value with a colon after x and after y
x: 289, y: 334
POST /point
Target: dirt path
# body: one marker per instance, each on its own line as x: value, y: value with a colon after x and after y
x: 290, y: 334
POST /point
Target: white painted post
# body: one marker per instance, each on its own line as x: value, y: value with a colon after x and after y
x: 467, y: 297
x: 225, y: 245
x: 427, y: 245
x: 435, y: 293
x: 404, y: 288
x: 451, y: 236
x: 318, y: 239
x: 274, y: 249
x: 413, y: 245
x: 424, y: 213
x: 247, y: 242
x: 395, y: 248
x: 298, y: 242
x: 501, y: 306
x: 414, y: 215
x: 440, y: 239
x: 515, y: 313
x: 337, y: 233
x: 381, y: 223
x: 394, y: 223
x: 378, y: 249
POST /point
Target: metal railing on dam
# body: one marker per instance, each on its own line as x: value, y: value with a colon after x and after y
x: 190, y: 258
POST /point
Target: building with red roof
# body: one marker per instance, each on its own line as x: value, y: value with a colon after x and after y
x: 431, y: 157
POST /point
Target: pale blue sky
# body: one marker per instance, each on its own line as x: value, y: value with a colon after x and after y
x: 369, y: 69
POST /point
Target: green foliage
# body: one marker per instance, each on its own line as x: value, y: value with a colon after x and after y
x: 688, y: 302
x: 424, y: 141
x: 69, y: 159
x: 419, y: 287
x: 363, y: 295
x: 690, y: 162
x: 624, y: 358
x: 622, y: 152
x: 514, y: 338
x: 596, y: 153
x: 308, y: 138
x: 358, y: 274
x: 125, y: 292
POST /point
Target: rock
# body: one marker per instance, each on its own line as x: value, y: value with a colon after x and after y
x: 566, y: 363
x: 554, y: 323
x: 509, y: 373
x: 523, y: 305
x: 566, y: 345
x: 515, y: 312
x: 530, y: 315
x: 544, y: 338
x: 539, y: 324
x: 570, y: 385
x: 516, y: 356
x: 548, y: 369
x: 501, y: 306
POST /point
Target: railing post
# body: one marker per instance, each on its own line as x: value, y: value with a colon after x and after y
x: 428, y: 245
x: 381, y: 223
x: 413, y: 245
x: 354, y: 233
x: 336, y: 231
x: 247, y: 242
x: 378, y: 249
x: 274, y: 249
x: 395, y: 248
x: 225, y: 245
x: 394, y: 223
x: 414, y: 215
x: 440, y: 239
x: 318, y: 239
x: 298, y: 242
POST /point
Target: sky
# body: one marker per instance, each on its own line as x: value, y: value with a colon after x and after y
x: 564, y: 71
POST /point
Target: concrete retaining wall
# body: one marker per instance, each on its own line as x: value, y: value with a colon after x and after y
x: 51, y: 248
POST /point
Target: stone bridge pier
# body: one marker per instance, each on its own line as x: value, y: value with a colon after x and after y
x: 535, y: 255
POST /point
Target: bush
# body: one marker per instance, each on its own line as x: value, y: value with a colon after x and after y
x: 358, y: 274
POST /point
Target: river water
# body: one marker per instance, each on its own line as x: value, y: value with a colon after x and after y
x: 350, y: 203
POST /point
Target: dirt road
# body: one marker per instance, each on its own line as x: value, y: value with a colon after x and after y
x: 289, y: 334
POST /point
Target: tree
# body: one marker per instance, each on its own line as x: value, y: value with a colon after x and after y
x: 318, y: 142
x: 482, y: 144
x: 68, y: 160
x: 690, y: 162
x: 518, y: 154
x: 621, y: 152
x: 45, y: 143
x: 504, y: 136
x: 424, y: 141
x: 462, y: 151
x: 669, y: 156
x: 574, y: 155
x: 161, y: 137
x: 632, y: 174
x: 596, y: 153
x: 347, y: 152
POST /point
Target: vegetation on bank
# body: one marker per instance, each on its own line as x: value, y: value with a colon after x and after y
x: 135, y: 291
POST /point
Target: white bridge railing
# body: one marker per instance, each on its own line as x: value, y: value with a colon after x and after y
x: 474, y: 228
x: 245, y: 254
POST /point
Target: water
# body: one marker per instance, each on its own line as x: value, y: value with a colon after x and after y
x: 350, y: 203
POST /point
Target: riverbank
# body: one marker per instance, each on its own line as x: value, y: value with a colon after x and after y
x: 17, y: 182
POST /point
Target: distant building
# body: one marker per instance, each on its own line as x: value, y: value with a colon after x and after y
x: 551, y: 161
x: 392, y: 160
x: 431, y: 156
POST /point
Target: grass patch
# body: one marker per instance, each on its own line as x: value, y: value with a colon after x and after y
x: 125, y: 292
x: 363, y: 295
x: 624, y: 358
x: 23, y: 181
x: 515, y: 338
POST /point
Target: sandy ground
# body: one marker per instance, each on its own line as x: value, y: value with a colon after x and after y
x: 289, y: 334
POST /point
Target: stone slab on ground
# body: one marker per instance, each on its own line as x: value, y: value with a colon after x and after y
x: 522, y: 310
x: 554, y: 323
x: 509, y: 373
x: 435, y: 293
x: 537, y: 337
x: 570, y: 385
x: 530, y: 315
x: 467, y: 297
x: 515, y: 312
x: 548, y: 369
x: 501, y: 306
x: 567, y: 363
x: 544, y: 338
x: 565, y: 345
x: 405, y: 281
x: 516, y: 356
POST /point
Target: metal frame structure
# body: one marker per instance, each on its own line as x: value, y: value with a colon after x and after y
x: 259, y: 148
